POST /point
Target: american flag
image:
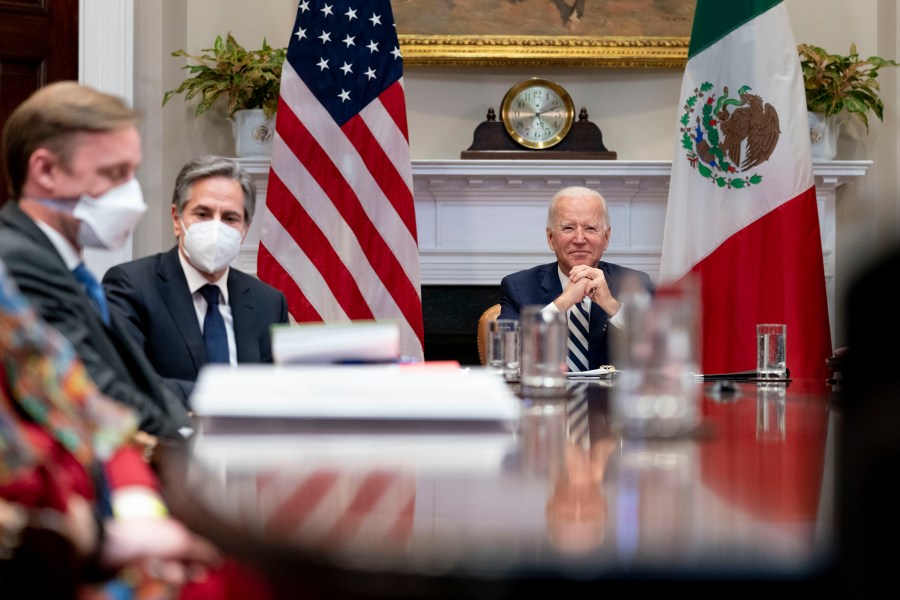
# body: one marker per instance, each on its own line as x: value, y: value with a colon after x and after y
x: 338, y: 231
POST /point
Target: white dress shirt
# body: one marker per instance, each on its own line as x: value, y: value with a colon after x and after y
x: 195, y: 281
x: 616, y: 320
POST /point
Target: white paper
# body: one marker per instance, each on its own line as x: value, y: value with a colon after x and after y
x: 324, y: 343
x: 354, y: 392
x: 475, y: 452
x: 605, y: 371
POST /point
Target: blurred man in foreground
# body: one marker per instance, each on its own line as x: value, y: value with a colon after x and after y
x: 69, y: 157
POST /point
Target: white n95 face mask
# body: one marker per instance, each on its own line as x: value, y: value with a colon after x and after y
x: 108, y: 220
x: 211, y: 245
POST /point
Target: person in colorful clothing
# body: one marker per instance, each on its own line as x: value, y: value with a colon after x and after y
x: 76, y: 495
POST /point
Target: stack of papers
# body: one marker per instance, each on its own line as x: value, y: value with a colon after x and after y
x: 365, y: 451
x: 356, y: 393
x: 443, y: 417
x: 323, y: 343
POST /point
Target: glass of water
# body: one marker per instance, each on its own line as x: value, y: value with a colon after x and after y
x: 503, y: 347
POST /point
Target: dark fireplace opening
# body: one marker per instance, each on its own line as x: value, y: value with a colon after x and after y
x: 450, y: 313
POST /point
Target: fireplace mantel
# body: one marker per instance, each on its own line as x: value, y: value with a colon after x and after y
x: 479, y: 220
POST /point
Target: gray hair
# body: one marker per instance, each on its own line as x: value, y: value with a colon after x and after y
x: 575, y: 192
x: 205, y: 167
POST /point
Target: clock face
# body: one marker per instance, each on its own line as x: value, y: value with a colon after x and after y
x: 537, y: 113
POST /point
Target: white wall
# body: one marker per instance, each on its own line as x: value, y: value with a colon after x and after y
x: 634, y: 108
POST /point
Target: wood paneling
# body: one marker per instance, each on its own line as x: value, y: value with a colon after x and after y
x: 38, y: 44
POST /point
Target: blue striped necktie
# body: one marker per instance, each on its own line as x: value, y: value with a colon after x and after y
x: 579, y: 328
x: 93, y: 289
x: 214, y: 335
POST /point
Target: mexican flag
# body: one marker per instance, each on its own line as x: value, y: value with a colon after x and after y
x: 742, y: 213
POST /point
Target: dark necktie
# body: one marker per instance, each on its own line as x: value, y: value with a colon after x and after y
x: 94, y: 290
x: 579, y: 326
x: 214, y: 327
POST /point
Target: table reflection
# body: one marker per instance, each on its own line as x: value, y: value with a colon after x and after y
x: 770, y: 410
x: 748, y: 493
x: 577, y: 509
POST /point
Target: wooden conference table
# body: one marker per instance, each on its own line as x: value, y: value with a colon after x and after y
x: 748, y: 497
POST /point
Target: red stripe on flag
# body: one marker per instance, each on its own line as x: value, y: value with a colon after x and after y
x: 310, y: 238
x: 361, y: 506
x: 394, y: 100
x: 338, y: 508
x: 401, y: 531
x: 376, y: 502
x: 293, y: 509
x: 781, y: 274
x: 269, y: 269
x: 379, y: 254
x: 383, y: 171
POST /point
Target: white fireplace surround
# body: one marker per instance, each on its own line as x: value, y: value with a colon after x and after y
x: 479, y: 220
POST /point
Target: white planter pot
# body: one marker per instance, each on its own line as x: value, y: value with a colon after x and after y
x: 823, y: 135
x: 253, y: 133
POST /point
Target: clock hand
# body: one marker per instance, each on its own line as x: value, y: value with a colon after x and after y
x: 541, y: 125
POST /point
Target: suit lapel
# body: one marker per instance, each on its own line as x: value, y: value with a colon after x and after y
x: 67, y: 286
x: 242, y: 311
x: 600, y: 326
x: 550, y: 286
x: 14, y: 217
x: 175, y: 293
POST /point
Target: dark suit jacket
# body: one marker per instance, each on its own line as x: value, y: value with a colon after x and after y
x: 540, y: 285
x: 112, y: 360
x: 151, y: 295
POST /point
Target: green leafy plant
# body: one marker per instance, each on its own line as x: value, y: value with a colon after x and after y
x: 834, y: 82
x: 245, y: 78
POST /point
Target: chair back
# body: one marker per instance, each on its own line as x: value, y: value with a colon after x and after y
x: 487, y: 316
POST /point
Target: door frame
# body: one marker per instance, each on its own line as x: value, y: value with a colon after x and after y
x: 106, y: 62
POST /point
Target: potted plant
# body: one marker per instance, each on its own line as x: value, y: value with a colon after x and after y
x: 834, y: 83
x: 247, y: 80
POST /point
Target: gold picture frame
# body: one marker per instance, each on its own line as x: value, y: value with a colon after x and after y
x: 536, y: 51
x: 534, y: 33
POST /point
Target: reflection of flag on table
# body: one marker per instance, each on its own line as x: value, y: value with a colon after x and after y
x: 336, y: 508
x: 338, y: 233
x: 777, y: 478
x: 742, y: 201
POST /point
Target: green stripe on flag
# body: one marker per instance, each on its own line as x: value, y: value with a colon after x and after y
x: 714, y: 19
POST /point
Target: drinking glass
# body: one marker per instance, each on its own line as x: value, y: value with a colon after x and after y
x: 503, y: 347
x: 543, y: 364
x: 771, y: 340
